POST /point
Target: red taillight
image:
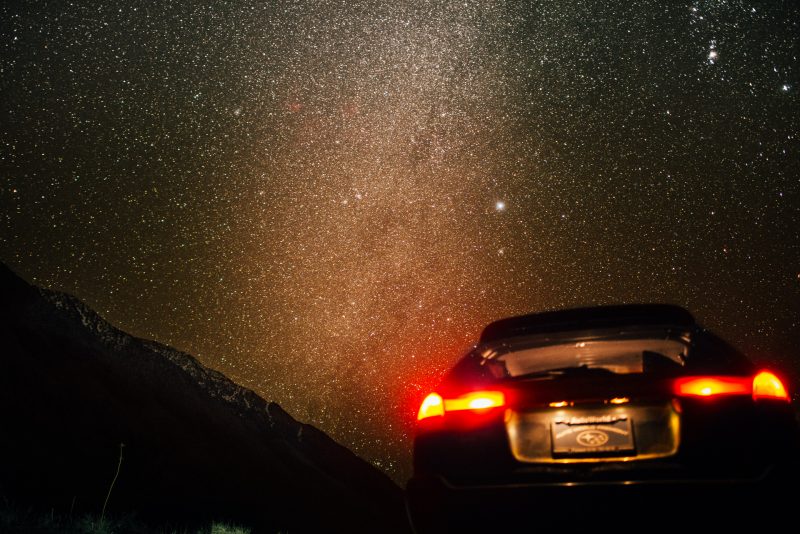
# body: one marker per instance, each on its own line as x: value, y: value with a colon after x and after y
x: 432, y: 406
x: 768, y: 386
x: 709, y: 386
x: 764, y: 385
x: 477, y: 401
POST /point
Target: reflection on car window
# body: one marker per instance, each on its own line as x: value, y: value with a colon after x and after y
x: 620, y: 356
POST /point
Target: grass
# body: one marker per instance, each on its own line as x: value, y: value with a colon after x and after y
x: 15, y: 519
x: 18, y: 520
x: 111, y: 487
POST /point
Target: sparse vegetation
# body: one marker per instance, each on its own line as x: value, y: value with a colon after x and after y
x: 111, y: 487
x: 19, y: 520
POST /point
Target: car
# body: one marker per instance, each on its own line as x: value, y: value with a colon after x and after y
x: 601, y: 416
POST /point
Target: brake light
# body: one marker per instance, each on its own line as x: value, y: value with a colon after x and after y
x: 709, y: 386
x: 432, y: 406
x: 764, y: 385
x: 768, y: 386
x: 477, y: 401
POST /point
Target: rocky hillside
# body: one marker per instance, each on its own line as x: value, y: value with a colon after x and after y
x: 197, y: 447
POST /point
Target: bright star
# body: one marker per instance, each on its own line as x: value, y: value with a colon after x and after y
x: 500, y: 206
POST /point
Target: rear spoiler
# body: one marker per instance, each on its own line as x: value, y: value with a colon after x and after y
x: 588, y: 318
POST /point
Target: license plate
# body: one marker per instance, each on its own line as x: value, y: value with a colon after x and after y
x: 594, y: 434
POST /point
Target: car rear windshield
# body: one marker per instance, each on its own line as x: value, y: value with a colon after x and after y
x: 619, y: 356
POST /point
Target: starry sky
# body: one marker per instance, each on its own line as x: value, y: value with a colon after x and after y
x: 327, y: 200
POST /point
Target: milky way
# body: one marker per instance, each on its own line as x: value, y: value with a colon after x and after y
x: 327, y: 200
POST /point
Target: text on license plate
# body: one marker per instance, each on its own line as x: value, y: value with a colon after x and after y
x: 592, y: 434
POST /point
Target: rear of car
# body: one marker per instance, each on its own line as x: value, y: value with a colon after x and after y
x: 596, y: 409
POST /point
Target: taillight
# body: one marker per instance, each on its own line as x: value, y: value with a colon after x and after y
x: 709, y: 386
x: 768, y: 386
x: 764, y: 385
x: 432, y: 406
x: 477, y: 401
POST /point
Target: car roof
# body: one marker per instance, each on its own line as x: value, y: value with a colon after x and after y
x: 588, y: 318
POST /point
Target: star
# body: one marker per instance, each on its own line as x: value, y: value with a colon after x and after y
x: 273, y: 187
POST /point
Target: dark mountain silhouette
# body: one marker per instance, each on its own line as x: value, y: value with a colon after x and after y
x: 198, y: 447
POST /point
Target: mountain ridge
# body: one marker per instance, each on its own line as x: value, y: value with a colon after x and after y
x: 216, y: 449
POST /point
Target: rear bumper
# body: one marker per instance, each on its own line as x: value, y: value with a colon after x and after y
x: 436, y: 504
x: 640, y: 474
x: 632, y: 482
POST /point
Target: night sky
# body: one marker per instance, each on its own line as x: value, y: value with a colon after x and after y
x: 327, y: 200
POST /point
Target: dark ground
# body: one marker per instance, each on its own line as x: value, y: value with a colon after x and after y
x: 197, y: 447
